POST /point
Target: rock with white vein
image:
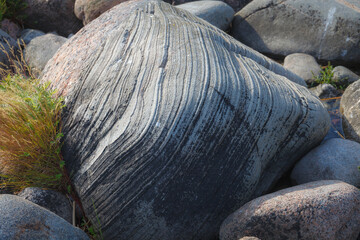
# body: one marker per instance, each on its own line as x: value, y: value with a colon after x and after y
x: 327, y: 29
x: 171, y: 124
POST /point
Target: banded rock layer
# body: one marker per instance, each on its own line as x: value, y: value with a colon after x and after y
x: 171, y: 124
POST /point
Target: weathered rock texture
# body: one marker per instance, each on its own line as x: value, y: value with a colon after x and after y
x: 327, y: 29
x: 350, y: 109
x: 22, y: 219
x: 88, y: 10
x: 323, y: 210
x: 216, y: 13
x: 171, y: 124
x: 52, y: 15
x: 334, y: 159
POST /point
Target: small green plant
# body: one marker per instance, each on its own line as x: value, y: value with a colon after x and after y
x: 327, y: 76
x: 30, y: 134
x: 12, y: 9
x: 94, y: 231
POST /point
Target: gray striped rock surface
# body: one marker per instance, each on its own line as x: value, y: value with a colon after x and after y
x: 171, y: 124
x: 327, y: 29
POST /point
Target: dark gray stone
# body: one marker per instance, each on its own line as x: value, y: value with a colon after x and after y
x: 235, y: 4
x: 325, y: 91
x: 88, y: 10
x: 344, y: 76
x: 334, y: 159
x: 29, y: 34
x: 22, y: 219
x: 327, y: 29
x: 41, y: 49
x: 52, y: 15
x: 322, y: 210
x: 350, y: 109
x: 303, y: 65
x: 49, y: 199
x: 170, y: 127
x: 216, y: 13
x: 6, y: 42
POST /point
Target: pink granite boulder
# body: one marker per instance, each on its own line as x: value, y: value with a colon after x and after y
x: 322, y: 210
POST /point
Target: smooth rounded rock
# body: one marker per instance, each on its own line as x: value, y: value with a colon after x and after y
x: 29, y: 34
x: 88, y: 10
x: 334, y: 159
x: 235, y: 4
x: 170, y: 124
x: 49, y: 199
x: 22, y: 219
x: 344, y: 76
x: 327, y: 29
x: 216, y: 13
x: 52, y: 15
x: 322, y: 210
x: 350, y: 109
x: 303, y: 65
x: 41, y: 49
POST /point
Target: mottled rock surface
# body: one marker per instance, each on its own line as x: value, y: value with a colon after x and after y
x: 334, y: 159
x: 49, y: 199
x: 322, y: 210
x: 303, y: 65
x: 171, y: 124
x: 216, y: 13
x: 41, y: 49
x: 350, y: 109
x: 327, y: 29
x: 88, y: 10
x: 22, y: 219
x: 52, y: 15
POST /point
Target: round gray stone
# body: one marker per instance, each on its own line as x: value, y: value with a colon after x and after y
x: 334, y: 159
x: 303, y: 65
x: 41, y: 49
x: 49, y: 199
x: 216, y: 13
x: 344, y: 76
x: 327, y: 29
x: 22, y: 219
x: 350, y: 109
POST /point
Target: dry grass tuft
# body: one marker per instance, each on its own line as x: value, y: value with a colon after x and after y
x: 30, y: 134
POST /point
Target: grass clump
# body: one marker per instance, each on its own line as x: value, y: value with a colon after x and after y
x: 30, y: 134
x: 327, y: 76
x: 12, y: 9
